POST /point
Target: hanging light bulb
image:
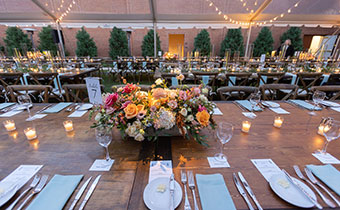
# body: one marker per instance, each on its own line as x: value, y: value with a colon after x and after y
x: 73, y: 2
x: 244, y: 4
x: 210, y: 4
x: 255, y: 3
x: 275, y: 18
x: 282, y: 15
x: 289, y: 10
x: 296, y: 5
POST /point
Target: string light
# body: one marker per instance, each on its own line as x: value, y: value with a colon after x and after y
x: 68, y: 10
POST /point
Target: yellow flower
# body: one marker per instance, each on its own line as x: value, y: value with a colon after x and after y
x: 131, y: 111
x: 203, y: 117
x: 141, y: 131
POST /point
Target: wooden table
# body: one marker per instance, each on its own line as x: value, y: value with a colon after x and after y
x: 122, y: 187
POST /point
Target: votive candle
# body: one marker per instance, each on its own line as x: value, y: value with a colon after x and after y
x: 246, y: 126
x: 68, y: 125
x: 30, y: 133
x: 9, y: 125
x: 278, y: 121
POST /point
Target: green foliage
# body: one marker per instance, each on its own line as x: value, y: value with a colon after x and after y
x: 294, y: 34
x: 264, y: 42
x: 118, y: 43
x: 202, y: 43
x: 46, y: 40
x: 2, y: 49
x: 233, y: 41
x: 16, y: 38
x: 148, y: 44
x: 85, y: 44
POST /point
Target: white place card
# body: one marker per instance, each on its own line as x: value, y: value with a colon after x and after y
x: 218, y: 164
x: 11, y: 113
x: 326, y: 158
x: 279, y: 110
x: 160, y: 168
x: 250, y: 115
x: 36, y: 116
x: 266, y: 167
x: 20, y: 176
x: 102, y: 165
x: 217, y: 111
x: 78, y: 113
x: 336, y: 109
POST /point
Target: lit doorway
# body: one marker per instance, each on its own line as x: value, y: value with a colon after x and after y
x: 176, y: 44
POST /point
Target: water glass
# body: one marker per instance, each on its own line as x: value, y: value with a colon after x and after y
x: 104, y: 138
x: 331, y: 131
x: 254, y: 99
x: 25, y: 101
x: 224, y: 132
x: 318, y: 97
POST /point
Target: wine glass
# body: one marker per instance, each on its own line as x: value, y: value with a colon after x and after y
x: 25, y: 101
x: 224, y: 132
x: 254, y: 100
x: 318, y: 97
x: 104, y: 138
x: 331, y: 132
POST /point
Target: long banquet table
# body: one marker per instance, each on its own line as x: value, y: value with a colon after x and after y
x: 122, y: 187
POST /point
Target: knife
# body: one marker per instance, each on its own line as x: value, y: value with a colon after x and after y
x: 249, y: 190
x: 89, y: 193
x: 80, y: 193
x: 172, y: 190
x: 241, y: 190
x: 315, y: 202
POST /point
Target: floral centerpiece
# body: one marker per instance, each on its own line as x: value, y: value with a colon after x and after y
x: 138, y: 113
x: 169, y: 56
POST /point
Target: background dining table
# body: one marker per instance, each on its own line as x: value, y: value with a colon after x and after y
x: 122, y: 187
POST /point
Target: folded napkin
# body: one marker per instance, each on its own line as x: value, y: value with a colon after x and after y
x: 4, y: 105
x: 328, y: 175
x: 56, y: 193
x: 305, y: 105
x: 174, y: 81
x: 78, y: 113
x: 279, y: 110
x: 205, y: 80
x: 11, y: 113
x: 57, y: 108
x: 246, y: 104
x: 213, y: 192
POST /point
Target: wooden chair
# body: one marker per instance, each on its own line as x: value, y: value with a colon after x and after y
x: 332, y: 91
x: 7, y: 79
x: 334, y: 79
x: 274, y: 91
x: 269, y: 78
x: 212, y: 77
x: 235, y: 92
x: 42, y: 90
x: 48, y: 79
x: 237, y: 79
x: 305, y: 81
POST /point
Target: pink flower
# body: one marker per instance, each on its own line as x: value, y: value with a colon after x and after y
x: 125, y: 104
x: 153, y: 108
x: 197, y: 91
x: 172, y: 104
x: 159, y: 93
x: 141, y: 114
x: 110, y: 110
x: 201, y: 108
x: 129, y: 88
x: 183, y: 95
x: 111, y: 99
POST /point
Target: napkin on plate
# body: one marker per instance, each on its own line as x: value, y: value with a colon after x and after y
x: 246, y: 104
x: 57, y: 108
x: 328, y: 175
x: 213, y: 192
x: 56, y: 193
x: 305, y: 105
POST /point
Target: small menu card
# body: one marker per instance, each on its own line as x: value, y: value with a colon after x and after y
x: 78, y: 113
x: 266, y: 167
x: 218, y: 164
x: 250, y: 115
x: 326, y: 158
x: 160, y: 168
x: 11, y: 113
x: 336, y: 109
x: 36, y: 116
x: 279, y: 110
x: 217, y: 111
x: 102, y: 165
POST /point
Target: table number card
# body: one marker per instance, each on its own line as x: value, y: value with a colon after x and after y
x: 102, y: 165
x: 218, y: 164
x: 217, y: 111
x: 93, y: 89
x: 263, y: 58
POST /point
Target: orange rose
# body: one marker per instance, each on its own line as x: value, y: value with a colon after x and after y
x: 203, y: 117
x: 140, y: 107
x: 131, y: 111
x: 159, y: 93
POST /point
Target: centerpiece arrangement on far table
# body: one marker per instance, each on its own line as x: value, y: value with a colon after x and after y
x: 158, y: 112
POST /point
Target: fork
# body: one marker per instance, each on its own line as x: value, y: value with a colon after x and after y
x: 326, y: 200
x: 36, y: 190
x: 184, y: 182
x: 191, y: 183
x: 33, y: 184
x: 315, y: 181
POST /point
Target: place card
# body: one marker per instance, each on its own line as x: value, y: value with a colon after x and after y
x: 78, y: 113
x: 217, y: 111
x: 36, y: 116
x: 20, y: 176
x: 326, y: 158
x: 218, y: 164
x: 250, y: 115
x: 279, y: 110
x: 11, y: 113
x: 102, y: 165
x: 160, y: 168
x: 266, y: 167
x: 5, y: 105
x: 336, y: 109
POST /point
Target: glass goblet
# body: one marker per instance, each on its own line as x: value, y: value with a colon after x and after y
x: 224, y: 132
x: 318, y: 97
x: 104, y: 138
x: 254, y: 100
x: 25, y: 101
x: 331, y: 132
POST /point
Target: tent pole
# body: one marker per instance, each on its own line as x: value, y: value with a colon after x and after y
x: 155, y: 39
x: 60, y: 40
x: 248, y: 40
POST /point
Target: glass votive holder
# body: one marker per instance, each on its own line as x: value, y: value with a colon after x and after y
x: 68, y: 125
x: 9, y: 125
x: 246, y: 126
x: 278, y: 121
x: 30, y: 133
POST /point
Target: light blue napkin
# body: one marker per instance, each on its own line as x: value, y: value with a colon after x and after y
x: 213, y: 192
x: 56, y: 193
x: 305, y: 105
x: 246, y: 104
x: 325, y: 78
x: 205, y: 80
x: 328, y: 175
x: 4, y: 105
x: 57, y: 108
x: 264, y: 78
x: 174, y: 81
x: 144, y: 64
x: 232, y: 81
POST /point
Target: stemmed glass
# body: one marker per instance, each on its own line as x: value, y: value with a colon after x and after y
x: 25, y: 101
x: 331, y: 132
x: 254, y: 100
x: 104, y: 138
x: 224, y: 132
x: 318, y: 97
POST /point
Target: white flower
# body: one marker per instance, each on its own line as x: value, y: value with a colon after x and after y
x: 203, y: 98
x: 131, y: 131
x: 159, y: 81
x: 190, y: 118
x: 139, y: 137
x: 165, y: 119
x: 184, y: 112
x: 205, y: 91
x: 97, y: 117
x: 137, y: 124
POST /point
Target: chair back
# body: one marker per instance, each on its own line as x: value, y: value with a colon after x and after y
x: 198, y: 76
x: 269, y: 78
x: 275, y: 91
x: 237, y: 79
x: 332, y: 91
x: 307, y: 80
x: 235, y: 92
x: 334, y: 79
